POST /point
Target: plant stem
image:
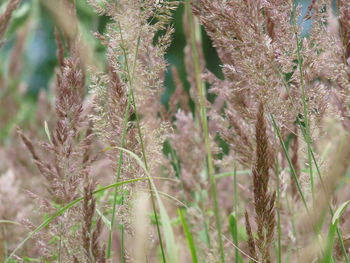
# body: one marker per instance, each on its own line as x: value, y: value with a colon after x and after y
x: 125, y: 124
x: 131, y: 101
x: 235, y: 210
x: 304, y: 100
x: 120, y: 161
x: 203, y: 115
x: 146, y: 166
x: 276, y: 128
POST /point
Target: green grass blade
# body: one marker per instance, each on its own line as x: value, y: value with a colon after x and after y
x: 234, y: 234
x: 188, y: 235
x: 332, y: 231
x: 327, y: 258
x: 339, y: 212
x: 171, y: 246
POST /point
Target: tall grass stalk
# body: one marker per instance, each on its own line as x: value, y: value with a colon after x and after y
x: 210, y: 134
x: 306, y: 125
x: 277, y: 131
x: 195, y: 36
x: 125, y: 125
x: 150, y: 183
x: 132, y: 100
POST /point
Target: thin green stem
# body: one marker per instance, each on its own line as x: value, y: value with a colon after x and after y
x: 203, y: 115
x: 277, y: 130
x: 126, y: 117
x: 149, y: 182
x: 125, y: 125
x: 304, y: 100
x: 146, y: 164
x: 131, y: 101
x: 316, y: 229
x: 235, y: 210
x: 306, y: 132
x: 310, y: 150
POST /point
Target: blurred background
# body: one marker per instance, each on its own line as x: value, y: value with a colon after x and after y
x: 28, y: 54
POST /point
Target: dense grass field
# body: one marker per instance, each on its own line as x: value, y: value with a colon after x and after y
x: 174, y: 131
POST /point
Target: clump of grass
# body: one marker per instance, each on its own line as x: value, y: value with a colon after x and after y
x: 122, y: 175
